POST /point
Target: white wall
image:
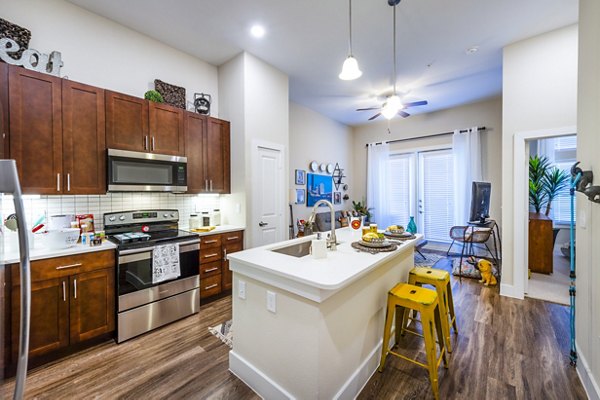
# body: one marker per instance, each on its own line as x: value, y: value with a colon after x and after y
x: 100, y: 52
x: 588, y: 233
x: 316, y: 137
x: 255, y: 100
x: 539, y: 93
x: 486, y: 113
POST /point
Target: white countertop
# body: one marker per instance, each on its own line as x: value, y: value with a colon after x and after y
x: 339, y: 269
x: 219, y: 229
x: 40, y: 252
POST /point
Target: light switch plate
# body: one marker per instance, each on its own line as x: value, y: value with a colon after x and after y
x: 242, y: 290
x: 271, y: 301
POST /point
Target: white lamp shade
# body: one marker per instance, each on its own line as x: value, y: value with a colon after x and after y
x: 350, y: 69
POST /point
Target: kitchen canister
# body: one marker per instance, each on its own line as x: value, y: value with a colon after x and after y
x: 195, y: 221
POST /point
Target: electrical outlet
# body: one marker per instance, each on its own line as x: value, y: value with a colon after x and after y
x: 242, y: 290
x: 271, y: 301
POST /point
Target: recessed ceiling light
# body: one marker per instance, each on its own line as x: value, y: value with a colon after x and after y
x: 257, y: 31
x: 472, y: 50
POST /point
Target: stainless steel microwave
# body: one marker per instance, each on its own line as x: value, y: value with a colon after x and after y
x: 132, y: 171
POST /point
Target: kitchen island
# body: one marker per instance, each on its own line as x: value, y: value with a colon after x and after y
x: 311, y: 328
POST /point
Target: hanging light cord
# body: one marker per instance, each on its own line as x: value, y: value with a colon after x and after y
x: 394, y: 50
x: 350, y: 26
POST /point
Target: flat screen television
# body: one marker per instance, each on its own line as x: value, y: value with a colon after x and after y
x: 480, y: 201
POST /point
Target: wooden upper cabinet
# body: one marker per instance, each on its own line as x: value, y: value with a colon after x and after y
x: 92, y: 311
x: 126, y: 122
x: 166, y: 129
x: 84, y: 142
x: 36, y: 129
x: 195, y: 129
x: 4, y: 132
x: 218, y: 156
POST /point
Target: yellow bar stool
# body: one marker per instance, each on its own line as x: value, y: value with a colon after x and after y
x: 441, y: 281
x: 401, y: 299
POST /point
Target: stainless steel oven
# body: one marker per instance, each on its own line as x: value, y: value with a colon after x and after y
x: 132, y: 171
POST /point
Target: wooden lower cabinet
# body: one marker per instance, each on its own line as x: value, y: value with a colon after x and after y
x: 72, y: 300
x: 215, y: 276
x: 541, y: 243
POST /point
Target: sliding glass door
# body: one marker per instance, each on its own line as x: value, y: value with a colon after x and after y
x: 421, y: 186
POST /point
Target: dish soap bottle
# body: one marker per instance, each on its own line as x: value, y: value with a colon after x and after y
x: 412, y: 226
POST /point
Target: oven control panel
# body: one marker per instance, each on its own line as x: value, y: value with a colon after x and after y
x: 140, y: 216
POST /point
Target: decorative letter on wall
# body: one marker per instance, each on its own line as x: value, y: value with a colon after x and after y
x: 31, y: 59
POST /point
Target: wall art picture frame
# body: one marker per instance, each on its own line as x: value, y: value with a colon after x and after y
x: 337, y: 197
x: 318, y: 187
x: 300, y: 177
x: 300, y: 196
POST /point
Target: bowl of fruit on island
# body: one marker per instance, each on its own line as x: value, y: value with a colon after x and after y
x: 373, y: 239
x: 395, y: 229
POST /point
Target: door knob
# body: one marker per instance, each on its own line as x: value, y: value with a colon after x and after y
x: 261, y: 224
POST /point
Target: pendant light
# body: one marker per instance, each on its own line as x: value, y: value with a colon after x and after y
x: 393, y: 103
x: 350, y: 70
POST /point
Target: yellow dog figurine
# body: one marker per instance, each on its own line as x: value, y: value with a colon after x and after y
x: 487, y: 278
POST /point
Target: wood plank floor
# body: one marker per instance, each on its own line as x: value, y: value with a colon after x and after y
x: 506, y: 349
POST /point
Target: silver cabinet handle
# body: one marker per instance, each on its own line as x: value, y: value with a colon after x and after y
x: 211, y: 255
x: 210, y: 241
x: 75, y: 288
x: 211, y: 270
x: 206, y: 185
x: 152, y: 143
x: 145, y: 142
x: 211, y: 186
x: 64, y: 291
x: 58, y: 182
x: 214, y: 285
x: 69, y: 266
x: 224, y: 254
x: 233, y: 238
x: 68, y: 182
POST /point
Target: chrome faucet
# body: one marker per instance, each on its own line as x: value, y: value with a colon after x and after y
x: 331, y: 240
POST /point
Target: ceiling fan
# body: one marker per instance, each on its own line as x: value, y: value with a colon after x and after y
x: 393, y: 105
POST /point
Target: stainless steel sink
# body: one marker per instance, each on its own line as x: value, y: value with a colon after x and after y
x: 295, y: 250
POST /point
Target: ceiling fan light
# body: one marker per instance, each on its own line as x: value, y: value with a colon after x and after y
x: 394, y: 102
x: 350, y: 70
x: 389, y: 112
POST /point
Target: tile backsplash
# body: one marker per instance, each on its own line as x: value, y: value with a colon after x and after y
x: 111, y: 202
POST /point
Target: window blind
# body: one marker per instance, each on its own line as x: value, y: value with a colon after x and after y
x: 400, y: 189
x: 437, y: 196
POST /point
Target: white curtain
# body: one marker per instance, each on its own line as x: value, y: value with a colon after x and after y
x: 378, y: 183
x: 466, y: 148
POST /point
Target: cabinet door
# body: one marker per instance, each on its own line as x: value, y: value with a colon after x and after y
x: 226, y: 275
x: 92, y: 304
x: 195, y: 133
x: 49, y: 317
x: 4, y: 135
x: 217, y: 156
x: 166, y: 129
x: 84, y: 139
x: 36, y: 129
x: 126, y: 122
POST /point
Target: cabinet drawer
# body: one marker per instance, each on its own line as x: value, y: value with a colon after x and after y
x: 210, y: 241
x: 52, y: 268
x: 210, y: 255
x: 232, y: 237
x: 210, y: 286
x: 209, y: 269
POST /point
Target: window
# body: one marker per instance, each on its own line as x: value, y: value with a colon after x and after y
x: 562, y: 153
x: 401, y: 188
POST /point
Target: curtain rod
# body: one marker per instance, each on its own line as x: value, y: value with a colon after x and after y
x: 481, y: 128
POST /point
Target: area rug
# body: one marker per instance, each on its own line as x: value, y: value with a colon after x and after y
x: 429, y: 259
x: 469, y: 270
x: 224, y: 332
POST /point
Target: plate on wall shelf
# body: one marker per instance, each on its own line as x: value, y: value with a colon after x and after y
x: 314, y: 166
x: 330, y: 168
x: 323, y: 167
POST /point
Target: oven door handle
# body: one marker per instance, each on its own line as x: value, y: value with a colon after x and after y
x: 145, y: 253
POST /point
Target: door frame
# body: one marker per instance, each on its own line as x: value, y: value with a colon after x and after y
x: 281, y: 194
x: 520, y: 231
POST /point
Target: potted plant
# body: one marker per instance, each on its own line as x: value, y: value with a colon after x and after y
x: 362, y: 210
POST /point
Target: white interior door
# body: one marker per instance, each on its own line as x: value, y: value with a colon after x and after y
x: 435, y: 203
x: 268, y: 196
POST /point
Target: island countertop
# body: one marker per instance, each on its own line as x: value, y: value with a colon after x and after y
x: 313, y: 278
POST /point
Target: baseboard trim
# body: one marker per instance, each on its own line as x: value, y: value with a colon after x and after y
x: 510, y: 291
x: 587, y: 379
x: 358, y: 380
x: 261, y: 384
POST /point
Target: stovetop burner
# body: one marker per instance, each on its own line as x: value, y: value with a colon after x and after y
x: 131, y: 237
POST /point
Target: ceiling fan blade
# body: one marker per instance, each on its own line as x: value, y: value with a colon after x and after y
x: 374, y: 116
x: 403, y: 114
x: 416, y: 103
x: 368, y: 109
